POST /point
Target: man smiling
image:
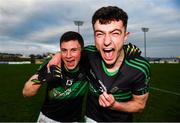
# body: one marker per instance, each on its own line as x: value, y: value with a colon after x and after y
x: 66, y: 87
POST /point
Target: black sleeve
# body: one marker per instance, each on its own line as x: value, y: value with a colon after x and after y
x: 141, y: 85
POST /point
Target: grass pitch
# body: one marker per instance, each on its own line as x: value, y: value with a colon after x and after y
x: 13, y: 106
x: 163, y: 104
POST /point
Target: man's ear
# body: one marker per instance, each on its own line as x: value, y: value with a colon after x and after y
x: 126, y: 36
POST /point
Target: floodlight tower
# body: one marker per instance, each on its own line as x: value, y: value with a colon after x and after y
x: 144, y: 29
x: 78, y: 23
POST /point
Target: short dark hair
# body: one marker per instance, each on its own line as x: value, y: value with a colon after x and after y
x: 110, y: 13
x: 70, y: 35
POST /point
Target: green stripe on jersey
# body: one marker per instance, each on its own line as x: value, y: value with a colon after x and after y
x: 143, y: 90
x: 142, y: 61
x: 140, y: 66
x: 78, y: 88
x: 107, y: 72
x: 122, y: 96
x: 143, y: 64
x: 90, y: 48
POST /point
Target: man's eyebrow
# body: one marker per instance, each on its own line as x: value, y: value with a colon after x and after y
x: 75, y: 48
x: 116, y: 30
x: 110, y: 31
x: 63, y: 48
x: 98, y: 31
x: 70, y: 48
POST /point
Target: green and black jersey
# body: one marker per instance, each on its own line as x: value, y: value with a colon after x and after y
x: 64, y: 98
x: 131, y: 79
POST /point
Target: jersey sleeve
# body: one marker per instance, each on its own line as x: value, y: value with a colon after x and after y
x: 141, y: 83
x: 141, y: 86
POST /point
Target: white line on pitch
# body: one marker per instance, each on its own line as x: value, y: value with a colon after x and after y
x: 165, y: 91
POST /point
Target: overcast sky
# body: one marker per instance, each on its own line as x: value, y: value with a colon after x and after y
x: 35, y: 26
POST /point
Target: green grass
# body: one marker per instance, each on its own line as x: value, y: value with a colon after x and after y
x: 161, y: 106
x: 13, y: 106
x: 166, y: 76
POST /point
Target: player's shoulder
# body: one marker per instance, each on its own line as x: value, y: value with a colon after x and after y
x: 131, y: 51
x: 139, y: 63
x: 90, y: 48
x: 44, y: 64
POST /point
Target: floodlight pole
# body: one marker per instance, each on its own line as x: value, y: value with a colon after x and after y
x: 78, y: 23
x: 144, y: 29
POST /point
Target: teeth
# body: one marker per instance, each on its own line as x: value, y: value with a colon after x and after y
x: 108, y: 49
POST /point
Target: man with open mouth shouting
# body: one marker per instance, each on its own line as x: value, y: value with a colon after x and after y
x: 126, y: 80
